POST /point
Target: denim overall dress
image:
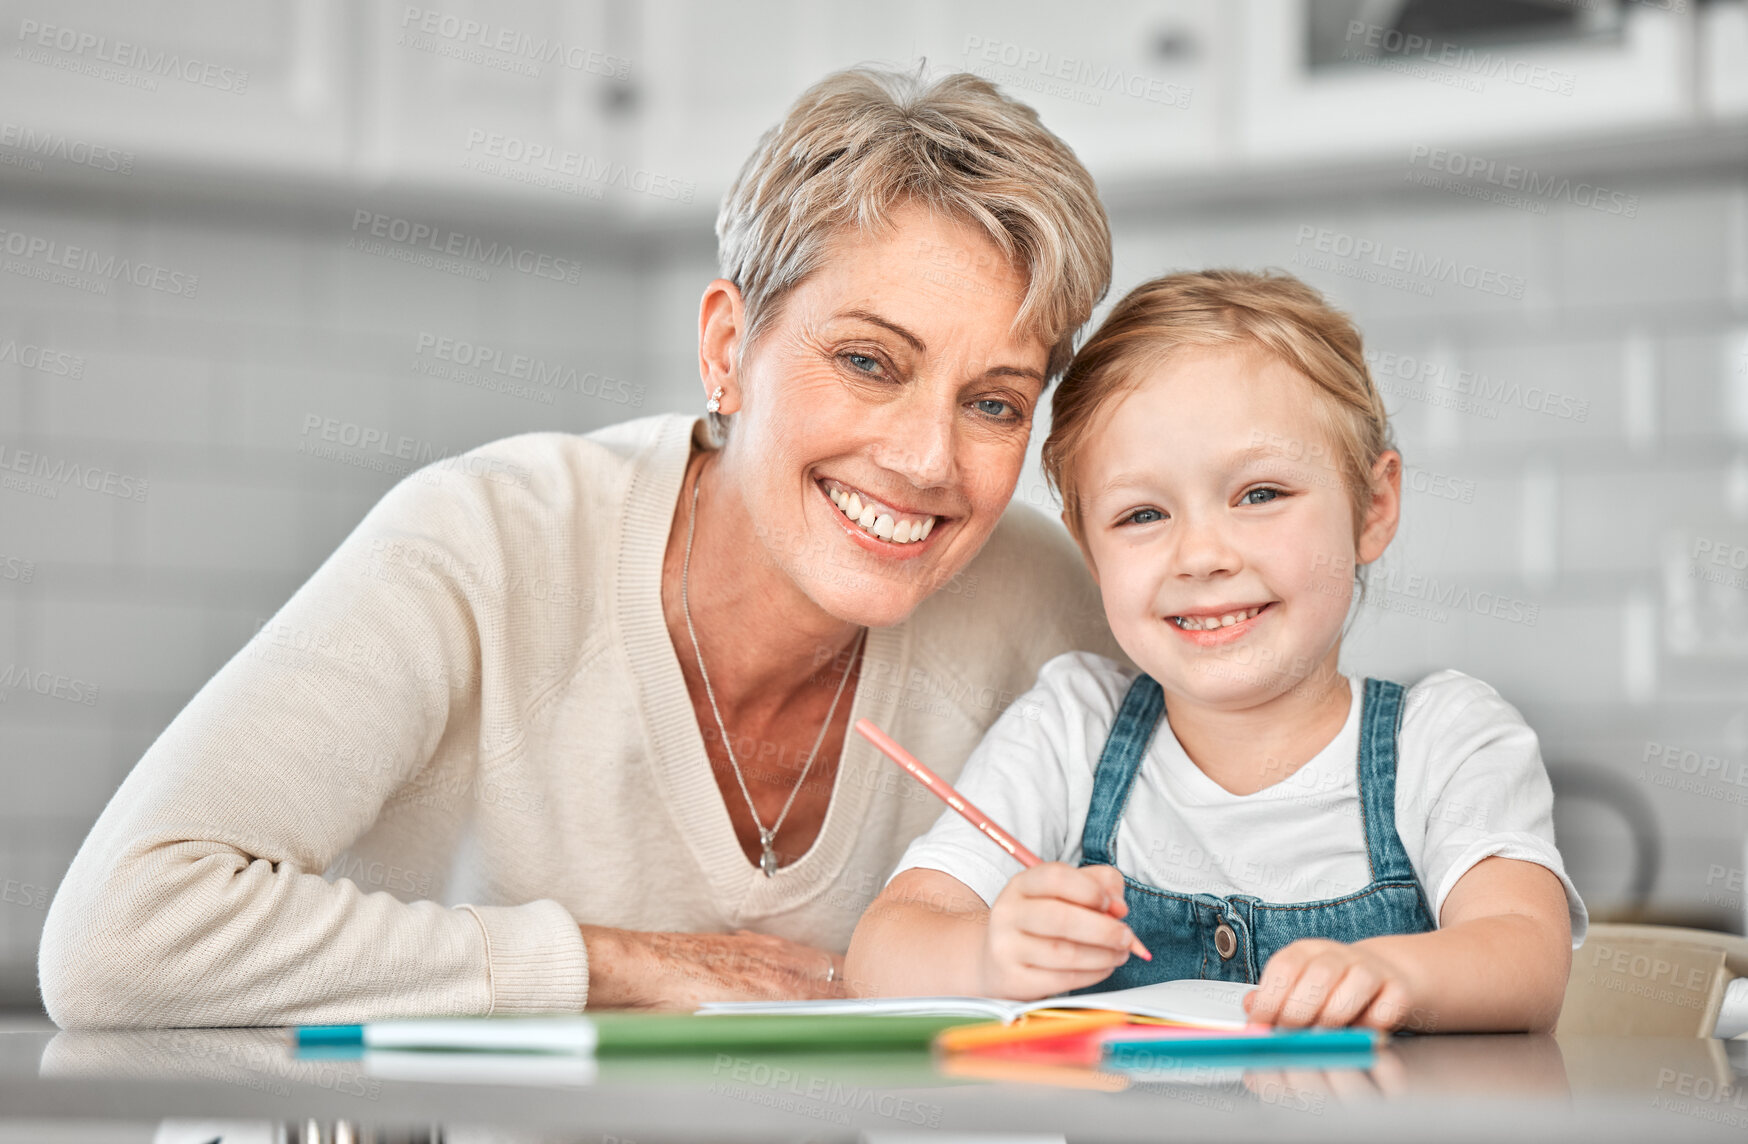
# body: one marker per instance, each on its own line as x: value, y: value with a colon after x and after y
x: 1231, y: 938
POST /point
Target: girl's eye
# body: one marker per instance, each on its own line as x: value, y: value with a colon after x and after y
x: 862, y: 362
x: 1143, y: 516
x: 1267, y: 495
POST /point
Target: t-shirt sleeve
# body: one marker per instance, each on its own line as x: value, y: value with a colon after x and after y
x: 1031, y: 774
x: 1471, y: 785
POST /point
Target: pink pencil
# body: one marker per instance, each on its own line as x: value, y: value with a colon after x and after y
x: 944, y: 791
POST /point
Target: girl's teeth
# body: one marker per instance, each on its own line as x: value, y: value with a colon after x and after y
x: 1209, y: 623
x: 881, y: 524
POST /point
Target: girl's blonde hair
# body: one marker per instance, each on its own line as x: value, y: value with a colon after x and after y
x: 1271, y: 311
x: 861, y: 141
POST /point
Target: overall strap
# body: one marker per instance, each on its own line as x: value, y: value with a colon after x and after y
x: 1118, y: 762
x: 1380, y: 719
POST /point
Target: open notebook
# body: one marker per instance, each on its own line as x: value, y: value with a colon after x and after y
x: 1208, y: 1004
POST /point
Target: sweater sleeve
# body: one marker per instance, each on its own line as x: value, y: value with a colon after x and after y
x: 199, y: 899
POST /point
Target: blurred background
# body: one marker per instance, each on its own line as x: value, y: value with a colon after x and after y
x: 259, y: 260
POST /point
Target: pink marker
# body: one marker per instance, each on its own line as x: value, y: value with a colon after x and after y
x: 944, y: 791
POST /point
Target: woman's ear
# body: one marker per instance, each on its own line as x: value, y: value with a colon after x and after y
x: 1385, y: 508
x: 721, y: 325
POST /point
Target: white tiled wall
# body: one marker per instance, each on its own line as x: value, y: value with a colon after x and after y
x: 1590, y: 522
x: 206, y: 400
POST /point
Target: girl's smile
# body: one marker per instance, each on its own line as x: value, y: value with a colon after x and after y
x: 1219, y: 625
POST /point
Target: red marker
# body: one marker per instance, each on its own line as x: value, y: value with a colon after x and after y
x: 944, y: 791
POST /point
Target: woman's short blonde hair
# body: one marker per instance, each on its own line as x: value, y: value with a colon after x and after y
x: 1270, y: 311
x: 864, y: 140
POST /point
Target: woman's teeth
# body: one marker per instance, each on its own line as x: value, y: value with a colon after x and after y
x: 1209, y: 623
x: 881, y: 522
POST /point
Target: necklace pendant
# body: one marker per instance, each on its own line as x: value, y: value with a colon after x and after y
x: 768, y: 861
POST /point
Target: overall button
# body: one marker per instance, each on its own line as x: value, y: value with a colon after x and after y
x: 1225, y: 941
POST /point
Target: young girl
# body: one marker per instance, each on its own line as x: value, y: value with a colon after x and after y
x: 1365, y: 854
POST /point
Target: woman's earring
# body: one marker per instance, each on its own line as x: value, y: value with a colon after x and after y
x: 715, y: 402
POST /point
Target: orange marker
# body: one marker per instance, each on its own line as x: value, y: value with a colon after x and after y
x: 945, y: 792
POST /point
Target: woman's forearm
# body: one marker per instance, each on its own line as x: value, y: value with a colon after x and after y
x: 637, y: 969
x: 161, y: 931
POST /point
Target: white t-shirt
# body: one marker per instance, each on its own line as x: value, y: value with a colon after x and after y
x: 1469, y: 785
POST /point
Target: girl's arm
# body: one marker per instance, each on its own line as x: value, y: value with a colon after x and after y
x: 929, y: 934
x: 921, y: 937
x: 1498, y: 963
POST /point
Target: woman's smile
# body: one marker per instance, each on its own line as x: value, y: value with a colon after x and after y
x: 877, y: 526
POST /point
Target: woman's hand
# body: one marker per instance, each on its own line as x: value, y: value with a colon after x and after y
x: 1055, y: 928
x: 1315, y: 981
x: 629, y: 969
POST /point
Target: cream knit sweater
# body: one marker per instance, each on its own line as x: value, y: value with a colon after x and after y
x: 475, y: 699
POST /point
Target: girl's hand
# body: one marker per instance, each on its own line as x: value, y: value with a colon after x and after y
x: 1052, y: 930
x: 1314, y: 981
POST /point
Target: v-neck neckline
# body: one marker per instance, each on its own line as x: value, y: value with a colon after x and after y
x: 687, y: 784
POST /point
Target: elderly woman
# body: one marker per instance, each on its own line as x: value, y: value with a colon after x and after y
x: 600, y: 686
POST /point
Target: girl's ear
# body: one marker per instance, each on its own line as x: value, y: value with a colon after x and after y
x: 1385, y: 509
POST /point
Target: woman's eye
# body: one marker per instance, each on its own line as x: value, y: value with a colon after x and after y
x: 995, y: 407
x: 863, y: 363
x: 1266, y: 494
x: 1143, y: 516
